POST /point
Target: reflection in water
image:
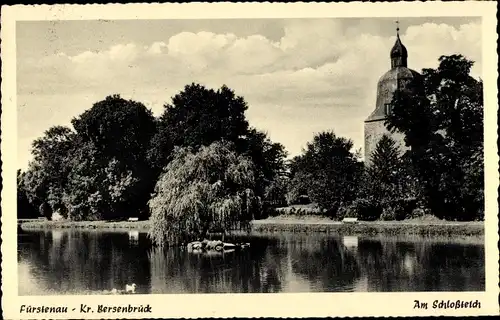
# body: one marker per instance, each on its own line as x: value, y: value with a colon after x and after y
x: 82, y: 262
x: 351, y: 243
x: 79, y: 262
x: 133, y: 237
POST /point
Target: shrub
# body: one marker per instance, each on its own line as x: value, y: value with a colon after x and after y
x: 403, y: 208
x: 351, y: 212
x: 364, y: 209
x: 57, y: 216
x: 417, y: 213
x: 303, y: 199
x: 45, y: 210
x: 388, y: 214
x: 341, y: 213
x: 269, y: 211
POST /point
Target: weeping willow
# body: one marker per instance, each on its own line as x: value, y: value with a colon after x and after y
x: 207, y: 191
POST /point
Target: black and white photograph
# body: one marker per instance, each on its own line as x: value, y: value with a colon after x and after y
x: 167, y: 157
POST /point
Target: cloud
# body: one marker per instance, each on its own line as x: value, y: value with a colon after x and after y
x: 116, y: 53
x: 315, y: 77
x: 317, y: 51
x: 156, y: 47
x: 429, y: 41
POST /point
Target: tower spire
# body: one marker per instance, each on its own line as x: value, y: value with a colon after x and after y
x: 399, y: 55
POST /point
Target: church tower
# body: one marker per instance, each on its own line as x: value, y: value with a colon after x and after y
x: 398, y: 77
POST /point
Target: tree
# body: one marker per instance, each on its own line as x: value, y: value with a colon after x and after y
x: 98, y: 171
x: 387, y: 184
x: 275, y: 193
x: 117, y: 133
x: 298, y: 184
x: 25, y: 209
x: 46, y: 177
x: 384, y: 175
x: 108, y: 166
x: 99, y: 189
x: 330, y: 171
x: 117, y: 127
x: 161, y: 148
x: 444, y: 128
x: 268, y: 159
x: 200, y: 192
x: 199, y: 116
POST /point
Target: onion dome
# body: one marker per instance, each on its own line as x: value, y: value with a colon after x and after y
x: 399, y: 54
x: 398, y: 77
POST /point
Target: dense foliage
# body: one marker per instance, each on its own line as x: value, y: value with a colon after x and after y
x: 25, y: 210
x: 97, y: 171
x: 208, y: 190
x: 444, y: 129
x: 388, y: 181
x: 199, y: 116
x: 107, y: 165
x: 328, y: 172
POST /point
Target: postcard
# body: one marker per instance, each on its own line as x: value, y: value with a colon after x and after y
x: 249, y: 160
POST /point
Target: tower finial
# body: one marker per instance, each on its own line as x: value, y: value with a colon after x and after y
x: 398, y: 52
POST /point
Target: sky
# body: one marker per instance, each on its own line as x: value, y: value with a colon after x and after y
x: 298, y: 76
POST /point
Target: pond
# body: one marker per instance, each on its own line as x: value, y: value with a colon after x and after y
x: 86, y: 262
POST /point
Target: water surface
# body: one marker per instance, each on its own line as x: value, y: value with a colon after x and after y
x: 81, y: 262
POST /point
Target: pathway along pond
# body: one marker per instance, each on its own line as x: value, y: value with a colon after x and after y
x: 89, y: 262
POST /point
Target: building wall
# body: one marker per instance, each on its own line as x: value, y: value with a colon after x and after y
x: 374, y: 130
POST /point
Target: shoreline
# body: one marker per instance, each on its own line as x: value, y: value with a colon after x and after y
x: 295, y: 225
x: 374, y: 228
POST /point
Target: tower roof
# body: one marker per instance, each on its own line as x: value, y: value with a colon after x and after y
x: 394, y: 79
x: 399, y: 54
x: 398, y: 77
x: 399, y: 50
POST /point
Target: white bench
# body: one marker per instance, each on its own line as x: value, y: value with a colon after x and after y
x: 350, y: 220
x: 133, y: 219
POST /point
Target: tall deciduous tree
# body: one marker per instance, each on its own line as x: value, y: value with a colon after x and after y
x: 202, y: 191
x: 46, y: 177
x: 268, y: 158
x: 117, y: 127
x: 330, y: 171
x: 199, y: 116
x: 118, y: 133
x: 99, y: 188
x: 298, y: 184
x: 100, y: 171
x: 444, y: 128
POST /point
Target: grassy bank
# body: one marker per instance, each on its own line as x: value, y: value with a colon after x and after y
x: 118, y: 225
x: 372, y: 228
x: 298, y: 225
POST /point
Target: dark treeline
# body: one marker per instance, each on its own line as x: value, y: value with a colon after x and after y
x: 201, y: 166
x: 107, y: 165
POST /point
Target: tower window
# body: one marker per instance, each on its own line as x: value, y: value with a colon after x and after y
x: 388, y: 109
